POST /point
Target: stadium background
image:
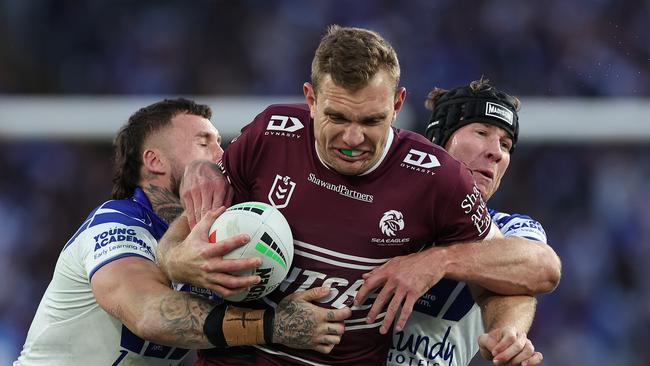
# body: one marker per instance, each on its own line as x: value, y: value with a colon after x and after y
x: 72, y: 71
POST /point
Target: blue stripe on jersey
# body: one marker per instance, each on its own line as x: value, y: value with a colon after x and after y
x: 433, y: 300
x: 518, y: 225
x: 131, y: 341
x: 461, y: 305
x: 122, y: 218
x: 102, y: 264
x: 134, y: 212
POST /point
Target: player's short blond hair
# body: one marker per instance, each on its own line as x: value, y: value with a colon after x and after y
x: 352, y: 56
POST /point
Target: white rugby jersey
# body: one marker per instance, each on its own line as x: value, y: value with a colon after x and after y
x: 444, y: 327
x: 70, y: 328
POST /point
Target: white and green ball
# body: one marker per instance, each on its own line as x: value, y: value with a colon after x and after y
x: 271, y: 240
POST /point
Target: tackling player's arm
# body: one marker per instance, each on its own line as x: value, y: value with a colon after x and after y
x: 510, y: 265
x: 297, y: 322
x: 506, y: 265
x: 188, y: 257
x: 507, y: 320
x: 402, y: 279
x: 136, y: 292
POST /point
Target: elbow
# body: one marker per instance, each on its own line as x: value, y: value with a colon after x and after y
x: 555, y: 271
x: 550, y: 270
x: 146, y: 328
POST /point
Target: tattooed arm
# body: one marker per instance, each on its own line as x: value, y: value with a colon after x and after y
x: 135, y: 291
x: 301, y: 324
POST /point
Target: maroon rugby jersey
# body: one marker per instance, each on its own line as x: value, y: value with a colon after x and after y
x: 344, y: 226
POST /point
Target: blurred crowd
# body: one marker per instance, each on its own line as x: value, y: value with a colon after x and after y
x: 550, y: 48
x: 592, y: 199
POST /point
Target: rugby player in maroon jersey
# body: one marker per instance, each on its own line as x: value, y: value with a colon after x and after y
x: 356, y: 192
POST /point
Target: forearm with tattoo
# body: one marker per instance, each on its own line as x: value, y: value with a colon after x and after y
x: 181, y: 319
x: 294, y: 324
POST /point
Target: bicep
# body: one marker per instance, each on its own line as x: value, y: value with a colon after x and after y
x: 122, y: 286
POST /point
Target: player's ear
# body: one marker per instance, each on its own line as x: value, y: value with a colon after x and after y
x: 154, y: 161
x: 398, y: 102
x: 310, y: 97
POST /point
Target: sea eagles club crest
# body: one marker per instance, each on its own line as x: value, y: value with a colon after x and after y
x: 391, y: 222
x: 281, y: 191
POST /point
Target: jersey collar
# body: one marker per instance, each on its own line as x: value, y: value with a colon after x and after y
x: 140, y: 197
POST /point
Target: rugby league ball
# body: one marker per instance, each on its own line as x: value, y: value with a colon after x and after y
x: 271, y: 240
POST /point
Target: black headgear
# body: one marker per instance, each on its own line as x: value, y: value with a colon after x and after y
x: 462, y: 106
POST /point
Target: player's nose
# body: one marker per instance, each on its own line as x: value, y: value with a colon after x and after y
x: 494, y: 150
x: 353, y: 135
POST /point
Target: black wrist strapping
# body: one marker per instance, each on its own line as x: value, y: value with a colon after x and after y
x: 227, y: 326
x: 269, y: 323
x: 212, y: 328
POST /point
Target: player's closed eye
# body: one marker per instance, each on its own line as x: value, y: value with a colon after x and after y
x: 336, y: 119
x: 374, y: 121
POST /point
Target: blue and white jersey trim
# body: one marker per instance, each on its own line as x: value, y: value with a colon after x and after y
x: 519, y: 225
x: 117, y: 229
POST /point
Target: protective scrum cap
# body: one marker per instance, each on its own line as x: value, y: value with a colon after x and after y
x: 462, y: 106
